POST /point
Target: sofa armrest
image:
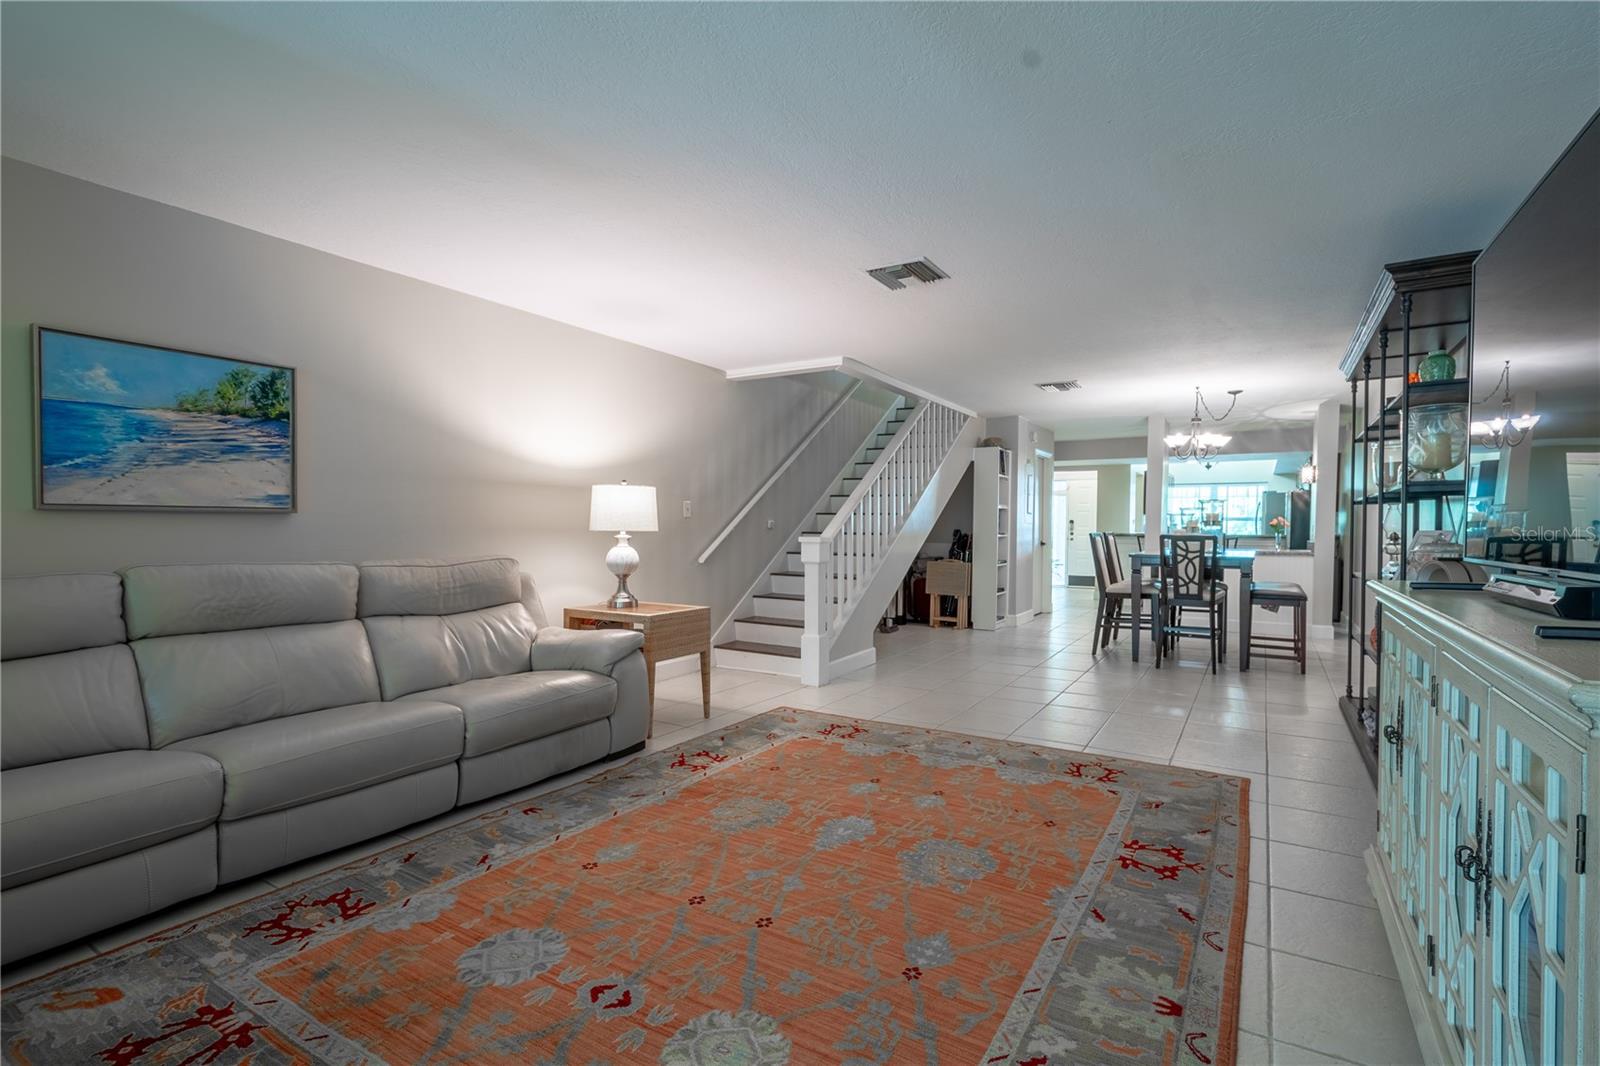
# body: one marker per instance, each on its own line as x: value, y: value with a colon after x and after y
x: 596, y: 650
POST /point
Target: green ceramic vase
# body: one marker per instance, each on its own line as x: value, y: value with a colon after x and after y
x: 1440, y: 365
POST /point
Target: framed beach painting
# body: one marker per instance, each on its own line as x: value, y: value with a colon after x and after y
x: 141, y: 427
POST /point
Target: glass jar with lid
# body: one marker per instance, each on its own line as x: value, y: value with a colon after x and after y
x: 1436, y: 439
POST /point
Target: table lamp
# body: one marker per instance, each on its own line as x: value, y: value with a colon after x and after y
x: 618, y: 509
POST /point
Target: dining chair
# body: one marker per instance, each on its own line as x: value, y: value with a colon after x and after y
x: 1114, y: 594
x: 1191, y: 580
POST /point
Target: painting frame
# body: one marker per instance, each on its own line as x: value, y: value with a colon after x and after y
x: 40, y: 503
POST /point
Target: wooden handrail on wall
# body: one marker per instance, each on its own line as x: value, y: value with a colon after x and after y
x: 766, y: 486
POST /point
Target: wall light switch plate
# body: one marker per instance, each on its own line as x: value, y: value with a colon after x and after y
x: 686, y: 509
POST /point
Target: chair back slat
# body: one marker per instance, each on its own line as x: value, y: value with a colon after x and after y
x: 1114, y: 569
x: 1097, y: 552
x: 1188, y: 567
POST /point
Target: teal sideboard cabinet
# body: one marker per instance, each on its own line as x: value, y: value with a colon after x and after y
x: 1483, y: 867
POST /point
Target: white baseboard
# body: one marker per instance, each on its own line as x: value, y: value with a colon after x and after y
x: 852, y: 663
x: 1021, y: 618
x: 683, y: 664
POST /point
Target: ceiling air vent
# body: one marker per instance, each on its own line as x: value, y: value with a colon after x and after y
x: 896, y: 276
x: 1059, y: 386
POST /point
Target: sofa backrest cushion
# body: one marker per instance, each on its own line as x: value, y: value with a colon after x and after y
x: 205, y: 682
x: 419, y: 652
x: 59, y: 612
x: 68, y: 686
x: 437, y: 587
x: 228, y: 644
x: 165, y: 601
x: 70, y: 704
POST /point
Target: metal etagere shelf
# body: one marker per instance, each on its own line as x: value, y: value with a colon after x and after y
x: 1419, y: 306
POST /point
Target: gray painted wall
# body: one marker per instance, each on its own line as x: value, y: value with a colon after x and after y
x: 430, y: 423
x: 957, y: 514
x: 1109, y: 448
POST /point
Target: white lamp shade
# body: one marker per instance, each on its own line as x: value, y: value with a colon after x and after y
x: 615, y: 508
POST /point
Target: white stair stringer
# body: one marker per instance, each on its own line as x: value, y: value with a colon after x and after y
x: 854, y: 566
x: 763, y: 631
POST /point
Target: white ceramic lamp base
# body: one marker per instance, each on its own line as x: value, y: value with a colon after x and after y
x: 622, y: 560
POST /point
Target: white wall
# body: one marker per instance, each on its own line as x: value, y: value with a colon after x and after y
x: 430, y: 423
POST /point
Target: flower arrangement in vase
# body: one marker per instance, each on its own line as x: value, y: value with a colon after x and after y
x: 1280, y: 529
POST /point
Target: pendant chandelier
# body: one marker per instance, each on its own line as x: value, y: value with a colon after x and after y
x: 1197, y: 444
x: 1504, y: 431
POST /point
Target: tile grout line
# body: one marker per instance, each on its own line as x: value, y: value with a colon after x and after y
x: 1266, y: 866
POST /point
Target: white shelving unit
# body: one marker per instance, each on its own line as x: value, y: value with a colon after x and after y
x: 992, y: 470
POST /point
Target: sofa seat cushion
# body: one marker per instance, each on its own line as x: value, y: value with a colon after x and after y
x: 284, y: 762
x: 507, y: 710
x: 60, y: 816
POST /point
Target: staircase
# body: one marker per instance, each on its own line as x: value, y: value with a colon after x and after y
x: 812, y: 615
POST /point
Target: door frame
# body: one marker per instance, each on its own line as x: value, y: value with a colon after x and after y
x: 1044, y: 508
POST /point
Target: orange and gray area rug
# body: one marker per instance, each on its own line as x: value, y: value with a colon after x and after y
x: 800, y: 889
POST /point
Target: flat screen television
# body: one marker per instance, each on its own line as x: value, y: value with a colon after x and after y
x: 1535, y: 501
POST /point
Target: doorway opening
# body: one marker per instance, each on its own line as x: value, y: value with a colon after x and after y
x: 1076, y: 513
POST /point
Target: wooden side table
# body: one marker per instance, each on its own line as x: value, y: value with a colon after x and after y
x: 670, y: 630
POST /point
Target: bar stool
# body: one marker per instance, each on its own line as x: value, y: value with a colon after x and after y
x: 1279, y: 594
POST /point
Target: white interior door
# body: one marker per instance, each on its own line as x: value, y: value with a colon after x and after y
x: 1082, y: 487
x: 1583, y: 488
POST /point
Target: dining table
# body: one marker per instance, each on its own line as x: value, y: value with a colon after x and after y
x: 1240, y: 559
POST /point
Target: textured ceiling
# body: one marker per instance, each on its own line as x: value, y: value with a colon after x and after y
x: 1142, y: 197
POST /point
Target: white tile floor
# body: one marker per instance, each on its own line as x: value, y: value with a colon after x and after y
x: 1319, y: 981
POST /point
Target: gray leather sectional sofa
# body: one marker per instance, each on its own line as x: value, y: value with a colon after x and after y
x: 173, y: 728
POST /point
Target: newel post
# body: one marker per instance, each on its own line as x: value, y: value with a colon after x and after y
x: 813, y: 648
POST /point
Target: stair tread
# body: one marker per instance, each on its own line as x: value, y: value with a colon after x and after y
x: 764, y: 620
x: 797, y: 596
x: 761, y: 649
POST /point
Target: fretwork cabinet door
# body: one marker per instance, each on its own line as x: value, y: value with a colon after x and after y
x: 1459, y: 881
x: 1534, y: 937
x: 1412, y: 742
x: 1389, y: 751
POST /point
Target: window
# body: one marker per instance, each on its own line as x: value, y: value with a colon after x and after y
x: 1237, y: 506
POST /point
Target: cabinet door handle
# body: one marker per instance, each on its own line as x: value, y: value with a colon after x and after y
x: 1470, y: 862
x: 1391, y: 734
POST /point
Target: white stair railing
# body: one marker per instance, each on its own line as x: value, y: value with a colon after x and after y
x: 841, y: 561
